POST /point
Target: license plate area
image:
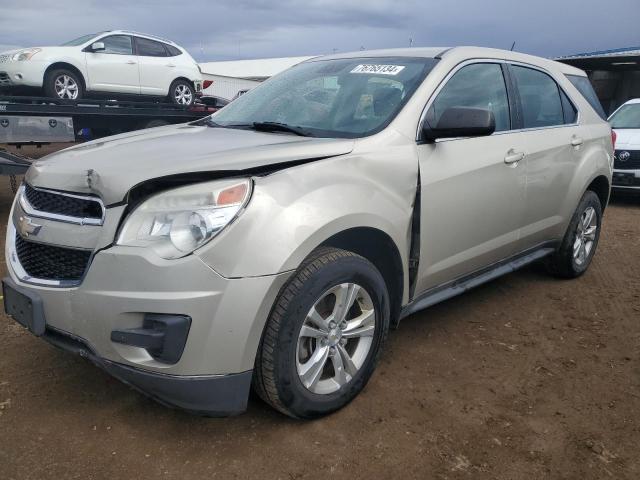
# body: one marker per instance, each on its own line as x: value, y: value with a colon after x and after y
x: 624, y: 179
x: 24, y: 307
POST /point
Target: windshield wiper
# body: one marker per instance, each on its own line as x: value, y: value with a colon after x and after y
x: 280, y: 127
x: 261, y: 127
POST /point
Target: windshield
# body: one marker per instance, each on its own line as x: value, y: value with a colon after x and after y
x: 346, y: 98
x: 79, y: 41
x: 627, y: 117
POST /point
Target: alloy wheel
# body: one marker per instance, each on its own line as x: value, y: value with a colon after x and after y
x: 335, y: 338
x: 66, y: 87
x: 585, y: 235
x: 183, y: 95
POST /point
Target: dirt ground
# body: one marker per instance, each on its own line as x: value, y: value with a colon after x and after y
x: 527, y: 377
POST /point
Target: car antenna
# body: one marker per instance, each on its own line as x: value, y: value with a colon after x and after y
x: 513, y: 45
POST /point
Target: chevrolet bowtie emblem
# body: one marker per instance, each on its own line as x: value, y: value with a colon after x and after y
x: 26, y: 227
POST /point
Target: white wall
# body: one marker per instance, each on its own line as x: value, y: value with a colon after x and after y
x: 226, y: 87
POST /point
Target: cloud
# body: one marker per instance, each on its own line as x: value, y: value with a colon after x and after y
x: 259, y: 28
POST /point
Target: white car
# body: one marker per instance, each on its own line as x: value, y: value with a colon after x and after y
x: 118, y: 62
x: 626, y: 167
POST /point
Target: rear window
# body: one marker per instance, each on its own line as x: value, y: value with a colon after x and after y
x: 586, y: 89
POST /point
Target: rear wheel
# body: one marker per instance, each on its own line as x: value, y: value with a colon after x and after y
x: 581, y: 240
x: 324, y: 335
x: 63, y: 84
x: 182, y: 93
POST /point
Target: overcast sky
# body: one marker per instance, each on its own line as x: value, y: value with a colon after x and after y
x: 225, y: 30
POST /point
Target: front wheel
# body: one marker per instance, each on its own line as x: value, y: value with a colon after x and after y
x: 580, y: 241
x: 324, y: 335
x: 182, y: 93
x: 63, y: 84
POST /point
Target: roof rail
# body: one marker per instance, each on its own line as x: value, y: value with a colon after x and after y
x: 155, y: 37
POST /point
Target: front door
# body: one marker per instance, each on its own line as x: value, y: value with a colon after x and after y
x: 472, y: 189
x: 114, y: 69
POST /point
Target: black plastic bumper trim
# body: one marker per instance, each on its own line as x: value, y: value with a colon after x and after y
x: 209, y: 395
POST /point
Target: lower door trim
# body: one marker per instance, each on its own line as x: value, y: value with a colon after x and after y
x: 462, y: 284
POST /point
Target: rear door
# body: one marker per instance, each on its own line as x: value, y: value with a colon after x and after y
x: 472, y: 189
x: 156, y: 67
x: 554, y: 144
x: 114, y: 69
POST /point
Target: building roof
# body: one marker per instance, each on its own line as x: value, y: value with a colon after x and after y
x: 623, y: 52
x: 618, y: 59
x: 260, y: 68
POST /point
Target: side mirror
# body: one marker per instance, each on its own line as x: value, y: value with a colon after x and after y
x: 97, y: 47
x: 460, y: 122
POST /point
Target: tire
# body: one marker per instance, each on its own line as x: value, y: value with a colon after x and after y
x: 54, y: 85
x: 276, y: 376
x: 182, y: 93
x: 565, y: 263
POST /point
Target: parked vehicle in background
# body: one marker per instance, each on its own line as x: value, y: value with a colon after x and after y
x: 112, y: 62
x: 275, y: 242
x: 626, y: 167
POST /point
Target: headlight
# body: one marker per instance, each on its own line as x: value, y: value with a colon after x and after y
x: 25, y: 54
x: 176, y: 222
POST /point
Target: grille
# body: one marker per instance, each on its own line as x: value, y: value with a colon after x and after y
x: 633, y: 162
x: 4, y: 79
x: 4, y: 58
x: 50, y: 262
x: 60, y: 204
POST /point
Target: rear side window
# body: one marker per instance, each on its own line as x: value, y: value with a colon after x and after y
x: 583, y: 85
x: 540, y: 98
x: 480, y: 85
x: 569, y: 110
x: 117, y: 44
x: 149, y: 48
x: 173, y: 51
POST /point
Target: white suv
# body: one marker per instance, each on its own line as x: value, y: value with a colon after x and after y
x: 626, y: 168
x: 116, y: 61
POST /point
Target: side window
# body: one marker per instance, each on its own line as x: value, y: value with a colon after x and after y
x: 150, y: 48
x: 117, y: 44
x: 583, y: 85
x: 540, y: 98
x: 569, y: 110
x: 173, y: 51
x: 480, y: 85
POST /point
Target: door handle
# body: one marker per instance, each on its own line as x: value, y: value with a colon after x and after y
x: 576, y: 141
x: 513, y: 157
x: 131, y: 62
x: 170, y: 65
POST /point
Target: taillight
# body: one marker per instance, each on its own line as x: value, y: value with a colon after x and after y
x: 206, y: 84
x: 614, y: 136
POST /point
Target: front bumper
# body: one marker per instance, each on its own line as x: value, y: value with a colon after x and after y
x: 124, y: 287
x: 28, y: 73
x: 211, y: 395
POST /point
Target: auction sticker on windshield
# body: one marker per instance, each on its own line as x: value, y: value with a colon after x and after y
x: 379, y: 69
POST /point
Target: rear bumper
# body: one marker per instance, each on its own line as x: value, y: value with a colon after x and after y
x: 211, y: 395
x: 626, y: 180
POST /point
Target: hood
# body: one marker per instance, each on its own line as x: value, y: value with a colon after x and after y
x: 627, y: 138
x: 111, y: 167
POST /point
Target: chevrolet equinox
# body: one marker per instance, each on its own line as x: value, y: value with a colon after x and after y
x: 274, y: 243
